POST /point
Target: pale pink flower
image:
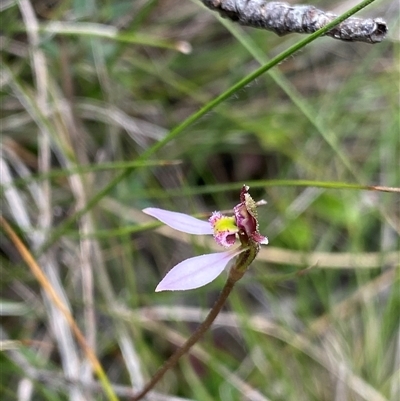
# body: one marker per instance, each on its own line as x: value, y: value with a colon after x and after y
x: 201, y: 270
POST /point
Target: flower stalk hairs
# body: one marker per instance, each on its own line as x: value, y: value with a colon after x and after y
x: 201, y: 270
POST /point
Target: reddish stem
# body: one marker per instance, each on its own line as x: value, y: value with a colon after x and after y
x: 234, y: 276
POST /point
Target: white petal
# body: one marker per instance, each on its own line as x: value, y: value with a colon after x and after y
x: 180, y: 221
x: 196, y: 272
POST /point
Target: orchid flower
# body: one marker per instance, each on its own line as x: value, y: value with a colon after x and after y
x: 201, y: 270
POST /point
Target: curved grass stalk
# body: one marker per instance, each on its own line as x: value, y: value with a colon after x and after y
x: 52, y: 294
x: 175, y: 132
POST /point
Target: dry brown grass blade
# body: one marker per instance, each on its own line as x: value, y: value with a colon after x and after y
x: 47, y: 287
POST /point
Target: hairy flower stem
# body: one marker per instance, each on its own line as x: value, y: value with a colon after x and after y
x: 235, y: 274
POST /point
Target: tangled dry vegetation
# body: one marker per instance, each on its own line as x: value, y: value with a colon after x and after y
x: 89, y: 90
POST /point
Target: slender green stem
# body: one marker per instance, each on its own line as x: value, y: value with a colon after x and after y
x: 234, y: 276
x: 174, y: 133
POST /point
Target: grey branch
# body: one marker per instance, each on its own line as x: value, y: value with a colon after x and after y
x: 283, y: 18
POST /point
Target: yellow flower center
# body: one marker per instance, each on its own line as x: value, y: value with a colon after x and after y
x: 226, y: 224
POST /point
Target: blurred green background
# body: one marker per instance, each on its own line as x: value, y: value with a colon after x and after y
x: 87, y: 88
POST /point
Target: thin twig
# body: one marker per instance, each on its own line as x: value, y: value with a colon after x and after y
x: 283, y: 18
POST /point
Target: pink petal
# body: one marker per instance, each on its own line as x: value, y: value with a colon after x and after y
x: 196, y: 272
x: 179, y: 221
